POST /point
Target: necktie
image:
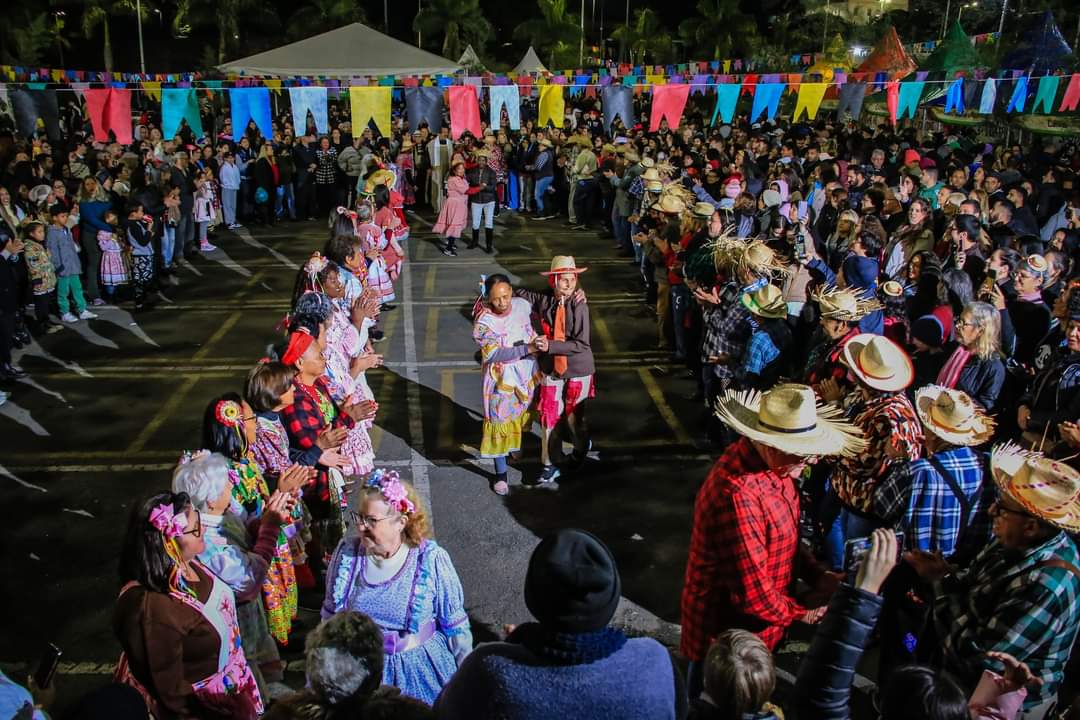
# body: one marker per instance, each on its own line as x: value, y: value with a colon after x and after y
x: 560, y: 334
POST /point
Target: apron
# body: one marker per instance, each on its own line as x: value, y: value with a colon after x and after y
x: 231, y: 691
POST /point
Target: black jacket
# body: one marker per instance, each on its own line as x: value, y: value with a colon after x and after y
x: 485, y: 179
x: 823, y: 688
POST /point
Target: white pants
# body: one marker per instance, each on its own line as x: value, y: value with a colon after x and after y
x: 487, y: 210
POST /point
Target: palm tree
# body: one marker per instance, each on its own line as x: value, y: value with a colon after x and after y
x: 224, y: 17
x: 645, y: 37
x: 98, y: 12
x: 553, y: 33
x: 27, y: 35
x: 458, y: 22
x: 719, y: 30
x: 319, y: 16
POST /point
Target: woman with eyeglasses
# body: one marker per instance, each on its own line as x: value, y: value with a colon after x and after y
x: 390, y: 569
x: 176, y: 621
x: 974, y: 359
x: 239, y: 557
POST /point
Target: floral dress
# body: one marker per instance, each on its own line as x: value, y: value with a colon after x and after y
x: 423, y: 599
x: 279, y: 588
x: 343, y: 343
x: 271, y: 452
x: 509, y: 387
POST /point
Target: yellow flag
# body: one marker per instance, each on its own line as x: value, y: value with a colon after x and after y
x: 552, y: 105
x: 655, y: 79
x: 810, y: 95
x: 370, y: 103
x: 57, y: 75
x: 152, y: 90
x: 727, y: 66
x: 274, y: 84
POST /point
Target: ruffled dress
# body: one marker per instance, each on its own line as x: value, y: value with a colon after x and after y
x: 343, y: 343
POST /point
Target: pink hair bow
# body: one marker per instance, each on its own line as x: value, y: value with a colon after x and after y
x: 171, y: 524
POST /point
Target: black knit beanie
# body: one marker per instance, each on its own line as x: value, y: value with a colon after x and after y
x: 572, y: 584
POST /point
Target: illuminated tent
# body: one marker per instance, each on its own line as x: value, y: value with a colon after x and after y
x: 888, y: 56
x: 529, y: 64
x: 953, y: 54
x: 1041, y: 50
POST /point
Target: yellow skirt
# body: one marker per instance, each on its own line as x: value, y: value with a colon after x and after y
x: 502, y: 438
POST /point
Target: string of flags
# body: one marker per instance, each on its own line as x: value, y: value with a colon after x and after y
x: 109, y: 108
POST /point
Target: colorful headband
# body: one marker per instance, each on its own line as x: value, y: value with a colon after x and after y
x: 346, y: 211
x: 229, y: 413
x: 299, y: 341
x: 388, y: 482
x: 315, y: 264
x: 187, y: 456
x: 170, y: 523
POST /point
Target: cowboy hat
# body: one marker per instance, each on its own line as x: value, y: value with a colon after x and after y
x: 544, y: 142
x: 608, y: 148
x: 561, y: 264
x: 952, y: 416
x: 767, y: 302
x: 878, y: 362
x: 381, y: 177
x: 647, y: 162
x: 406, y: 144
x: 788, y: 418
x: 650, y: 173
x: 845, y: 304
x: 1045, y: 488
x: 704, y: 209
x: 482, y: 153
x: 671, y: 205
x: 892, y: 288
x: 581, y: 141
x: 654, y: 186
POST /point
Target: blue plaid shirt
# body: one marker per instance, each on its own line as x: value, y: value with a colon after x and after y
x: 760, y: 351
x: 916, y: 500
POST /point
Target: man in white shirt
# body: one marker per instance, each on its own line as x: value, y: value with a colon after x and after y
x: 440, y: 150
x: 230, y: 187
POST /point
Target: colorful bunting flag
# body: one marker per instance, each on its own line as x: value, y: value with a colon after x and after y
x: 370, y: 104
x: 464, y: 111
x: 668, y: 102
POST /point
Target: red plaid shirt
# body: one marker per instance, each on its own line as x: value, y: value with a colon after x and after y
x: 742, y: 553
x: 303, y: 421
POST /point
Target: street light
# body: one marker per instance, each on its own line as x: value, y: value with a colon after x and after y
x: 142, y: 58
x: 964, y: 7
x: 57, y: 14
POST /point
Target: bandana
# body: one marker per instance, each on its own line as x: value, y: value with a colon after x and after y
x: 299, y: 342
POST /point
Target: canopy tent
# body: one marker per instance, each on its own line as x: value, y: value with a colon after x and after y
x: 888, y: 56
x: 470, y: 62
x: 1041, y: 49
x: 954, y: 53
x: 354, y: 49
x: 529, y: 64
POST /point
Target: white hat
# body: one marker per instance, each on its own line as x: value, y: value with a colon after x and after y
x: 878, y: 362
x: 1047, y: 489
x: 952, y: 416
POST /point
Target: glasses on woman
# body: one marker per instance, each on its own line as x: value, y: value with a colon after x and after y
x: 367, y: 521
x: 197, y: 530
x: 996, y: 508
x: 960, y: 323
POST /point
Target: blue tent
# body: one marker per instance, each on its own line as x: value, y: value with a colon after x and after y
x: 1041, y: 49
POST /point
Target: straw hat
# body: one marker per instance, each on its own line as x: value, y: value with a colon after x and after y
x: 704, y: 210
x: 648, y: 162
x: 892, y: 288
x: 380, y: 177
x: 406, y: 144
x: 788, y: 418
x: 767, y: 302
x: 608, y: 148
x: 654, y: 186
x: 671, y: 205
x: 650, y: 173
x: 952, y: 416
x: 843, y: 304
x: 561, y: 264
x: 483, y: 153
x: 581, y: 141
x: 630, y: 155
x: 878, y: 362
x: 1046, y: 488
x: 544, y: 142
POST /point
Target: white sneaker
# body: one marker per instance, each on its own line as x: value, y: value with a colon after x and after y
x: 207, y: 247
x: 69, y: 318
x: 87, y: 315
x: 3, y: 397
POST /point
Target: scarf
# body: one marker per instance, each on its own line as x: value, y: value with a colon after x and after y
x: 560, y: 648
x: 950, y: 372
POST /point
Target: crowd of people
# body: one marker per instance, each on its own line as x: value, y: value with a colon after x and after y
x: 883, y: 331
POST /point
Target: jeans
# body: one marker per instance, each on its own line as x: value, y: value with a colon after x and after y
x: 500, y: 464
x: 680, y: 307
x: 621, y: 226
x: 286, y: 201
x: 185, y: 232
x: 228, y: 205
x: 528, y: 187
x: 485, y: 210
x: 542, y: 185
x: 203, y: 227
x: 168, y: 245
x: 847, y: 526
x: 69, y: 287
x: 584, y: 200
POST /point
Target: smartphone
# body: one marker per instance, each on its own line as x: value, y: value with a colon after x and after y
x: 50, y: 660
x: 800, y: 246
x: 804, y: 209
x: 855, y: 550
x: 988, y: 282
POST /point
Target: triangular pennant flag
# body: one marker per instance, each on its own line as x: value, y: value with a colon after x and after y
x: 668, y: 102
x: 766, y: 100
x: 1048, y: 87
x: 810, y: 96
x: 727, y: 96
x: 1071, y: 100
x: 370, y: 104
x: 552, y: 106
x: 908, y: 100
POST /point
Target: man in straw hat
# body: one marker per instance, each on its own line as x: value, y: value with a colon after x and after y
x: 840, y: 312
x: 765, y: 356
x: 482, y: 203
x: 567, y: 366
x: 746, y: 520
x: 624, y: 201
x: 882, y: 371
x: 583, y: 191
x: 1020, y: 595
x: 543, y: 172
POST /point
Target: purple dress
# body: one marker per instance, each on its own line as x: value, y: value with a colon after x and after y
x: 424, y: 596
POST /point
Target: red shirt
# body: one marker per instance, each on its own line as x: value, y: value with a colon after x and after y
x: 742, y: 553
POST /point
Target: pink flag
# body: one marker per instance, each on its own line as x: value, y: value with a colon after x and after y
x: 464, y: 111
x: 109, y: 109
x: 668, y: 101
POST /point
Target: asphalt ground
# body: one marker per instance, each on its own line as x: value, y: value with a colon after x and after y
x: 109, y: 405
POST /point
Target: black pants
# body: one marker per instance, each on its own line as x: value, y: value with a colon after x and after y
x: 305, y: 199
x: 585, y: 201
x: 41, y: 309
x: 325, y: 198
x: 7, y: 334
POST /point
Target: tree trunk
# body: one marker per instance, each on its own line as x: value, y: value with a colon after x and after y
x: 108, y: 45
x: 221, y: 43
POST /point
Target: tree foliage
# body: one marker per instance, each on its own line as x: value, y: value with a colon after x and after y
x: 456, y: 22
x: 319, y: 16
x: 98, y: 13
x: 645, y: 38
x: 225, y: 18
x: 554, y: 34
x: 719, y: 30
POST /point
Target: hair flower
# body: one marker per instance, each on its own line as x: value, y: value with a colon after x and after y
x: 229, y: 413
x: 171, y: 524
x: 187, y: 456
x: 389, y: 485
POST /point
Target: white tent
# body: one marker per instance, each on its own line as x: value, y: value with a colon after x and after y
x: 470, y: 61
x: 353, y: 49
x: 530, y: 63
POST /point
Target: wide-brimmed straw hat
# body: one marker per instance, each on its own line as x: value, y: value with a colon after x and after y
x: 892, y: 288
x: 654, y: 186
x: 380, y: 177
x: 544, y: 142
x: 704, y: 210
x: 581, y: 141
x: 671, y: 205
x: 788, y: 418
x: 483, y: 153
x: 845, y: 304
x: 650, y: 173
x: 561, y: 264
x: 767, y: 302
x: 648, y: 162
x: 878, y: 362
x: 1045, y: 488
x: 952, y: 416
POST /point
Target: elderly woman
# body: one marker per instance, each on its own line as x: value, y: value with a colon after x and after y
x: 237, y: 556
x: 974, y: 360
x: 176, y: 620
x: 391, y: 570
x: 507, y: 341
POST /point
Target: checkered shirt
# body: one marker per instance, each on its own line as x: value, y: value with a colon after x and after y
x: 1009, y: 602
x: 742, y: 553
x: 734, y: 331
x: 916, y: 500
x: 303, y: 421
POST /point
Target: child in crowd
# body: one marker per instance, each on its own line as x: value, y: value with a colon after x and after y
x: 204, y: 211
x: 64, y: 252
x: 140, y: 234
x: 42, y: 275
x: 113, y: 271
x: 171, y: 220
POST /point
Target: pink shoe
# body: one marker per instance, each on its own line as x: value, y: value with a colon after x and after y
x: 207, y: 247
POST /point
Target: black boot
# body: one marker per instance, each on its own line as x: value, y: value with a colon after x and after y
x: 451, y: 247
x: 475, y: 239
x: 489, y: 238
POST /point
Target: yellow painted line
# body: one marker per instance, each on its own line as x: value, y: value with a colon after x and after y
x: 431, y: 333
x: 445, y: 437
x: 666, y: 412
x: 429, y: 281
